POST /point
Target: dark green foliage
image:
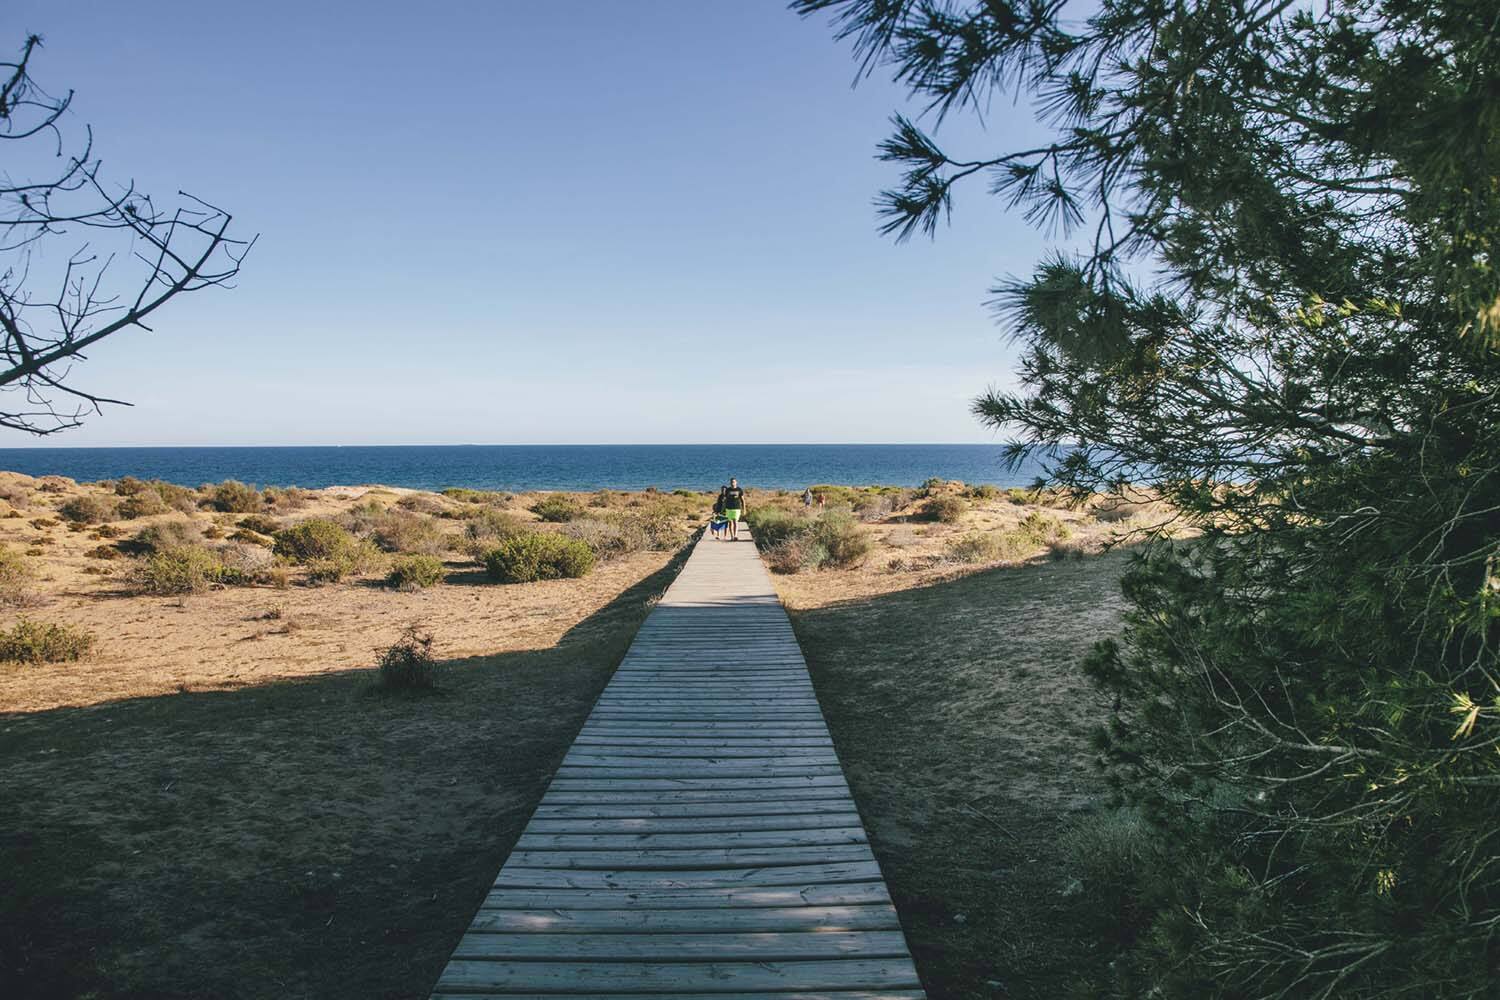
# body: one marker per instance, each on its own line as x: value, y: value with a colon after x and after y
x: 145, y: 502
x: 401, y: 531
x: 949, y: 508
x: 529, y: 557
x: 86, y: 509
x: 488, y: 527
x: 415, y: 572
x: 234, y: 497
x: 1286, y: 324
x: 408, y: 664
x: 557, y: 508
x: 40, y: 642
x: 260, y: 524
x: 163, y: 535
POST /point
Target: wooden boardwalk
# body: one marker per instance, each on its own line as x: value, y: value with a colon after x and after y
x: 699, y: 839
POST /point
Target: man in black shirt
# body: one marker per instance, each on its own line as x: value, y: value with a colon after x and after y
x: 732, y: 502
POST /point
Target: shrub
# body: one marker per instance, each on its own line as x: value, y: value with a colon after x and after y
x: 490, y: 526
x: 17, y: 577
x: 400, y: 531
x: 602, y: 498
x: 948, y: 508
x: 557, y: 508
x: 421, y: 503
x: 285, y: 499
x: 535, y: 556
x: 142, y: 503
x: 609, y: 538
x: 251, y: 538
x: 795, y: 553
x: 772, y: 525
x: 40, y: 642
x: 86, y: 509
x: 407, y: 664
x: 260, y: 524
x: 15, y: 494
x: 184, y: 569
x: 55, y: 484
x: 975, y: 547
x: 102, y: 552
x: 415, y: 572
x: 243, y: 562
x: 177, y: 497
x: 314, y: 539
x: 844, y: 541
x: 164, y: 535
x: 234, y: 497
x: 984, y: 491
x: 463, y: 495
x: 1042, y: 529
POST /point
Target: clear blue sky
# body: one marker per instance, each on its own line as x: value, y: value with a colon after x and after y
x: 513, y: 222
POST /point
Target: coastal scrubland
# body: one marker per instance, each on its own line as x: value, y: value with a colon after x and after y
x: 277, y: 742
x: 225, y: 769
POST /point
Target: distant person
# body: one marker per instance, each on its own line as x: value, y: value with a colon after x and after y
x: 732, y: 504
x: 807, y: 497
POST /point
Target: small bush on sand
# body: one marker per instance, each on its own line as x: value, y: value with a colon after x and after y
x: 402, y: 531
x: 314, y: 539
x: 185, y: 569
x: 773, y: 525
x: 243, y: 562
x: 55, y: 484
x: 491, y: 497
x: 40, y: 642
x: 978, y: 547
x: 843, y: 539
x: 234, y: 497
x: 421, y: 503
x: 87, y: 509
x: 557, y: 508
x: 285, y: 498
x: 1119, y: 867
x: 17, y: 578
x: 795, y: 554
x: 948, y: 508
x: 415, y: 572
x: 260, y: 524
x: 179, y: 498
x: 408, y: 664
x: 1042, y: 529
x: 609, y: 538
x: 483, y: 532
x: 18, y: 496
x: 603, y: 498
x: 984, y: 491
x: 163, y: 535
x: 145, y: 502
x: 535, y: 556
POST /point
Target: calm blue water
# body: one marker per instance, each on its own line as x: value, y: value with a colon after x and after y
x: 533, y: 467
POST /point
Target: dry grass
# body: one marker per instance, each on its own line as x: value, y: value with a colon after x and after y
x: 962, y: 719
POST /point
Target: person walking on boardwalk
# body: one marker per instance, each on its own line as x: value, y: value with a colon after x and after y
x: 732, y: 502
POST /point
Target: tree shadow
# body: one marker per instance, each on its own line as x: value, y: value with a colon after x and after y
x: 294, y: 838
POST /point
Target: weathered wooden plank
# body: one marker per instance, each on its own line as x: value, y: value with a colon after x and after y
x: 770, y: 796
x: 761, y: 946
x: 518, y: 877
x: 668, y: 768
x: 569, y: 900
x: 703, y: 749
x: 821, y: 805
x: 778, y: 995
x: 653, y: 841
x: 639, y: 977
x: 694, y: 744
x: 695, y: 824
x: 714, y: 920
x: 704, y: 859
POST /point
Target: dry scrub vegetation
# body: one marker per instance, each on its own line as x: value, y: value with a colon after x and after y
x: 262, y: 778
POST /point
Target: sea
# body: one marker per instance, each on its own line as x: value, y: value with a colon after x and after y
x: 574, y: 468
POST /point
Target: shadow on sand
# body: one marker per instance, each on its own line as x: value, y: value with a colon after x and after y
x: 300, y: 838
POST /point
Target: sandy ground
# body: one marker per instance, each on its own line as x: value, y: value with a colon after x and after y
x: 246, y: 635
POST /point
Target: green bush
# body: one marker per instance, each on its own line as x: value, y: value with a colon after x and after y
x: 402, y: 531
x: 17, y: 576
x: 609, y: 538
x: 488, y: 527
x: 314, y: 539
x: 184, y: 569
x: 771, y: 526
x: 976, y: 547
x: 234, y: 497
x: 844, y: 541
x: 260, y: 524
x: 984, y: 491
x: 283, y: 499
x: 86, y: 509
x: 415, y: 572
x: 39, y: 642
x: 164, y: 535
x: 145, y: 502
x: 529, y: 557
x: 795, y: 553
x: 949, y: 508
x: 557, y: 508
x: 408, y: 664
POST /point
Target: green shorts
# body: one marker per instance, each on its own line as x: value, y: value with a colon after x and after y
x: 732, y: 514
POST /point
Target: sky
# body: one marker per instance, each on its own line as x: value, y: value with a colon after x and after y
x: 580, y: 221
